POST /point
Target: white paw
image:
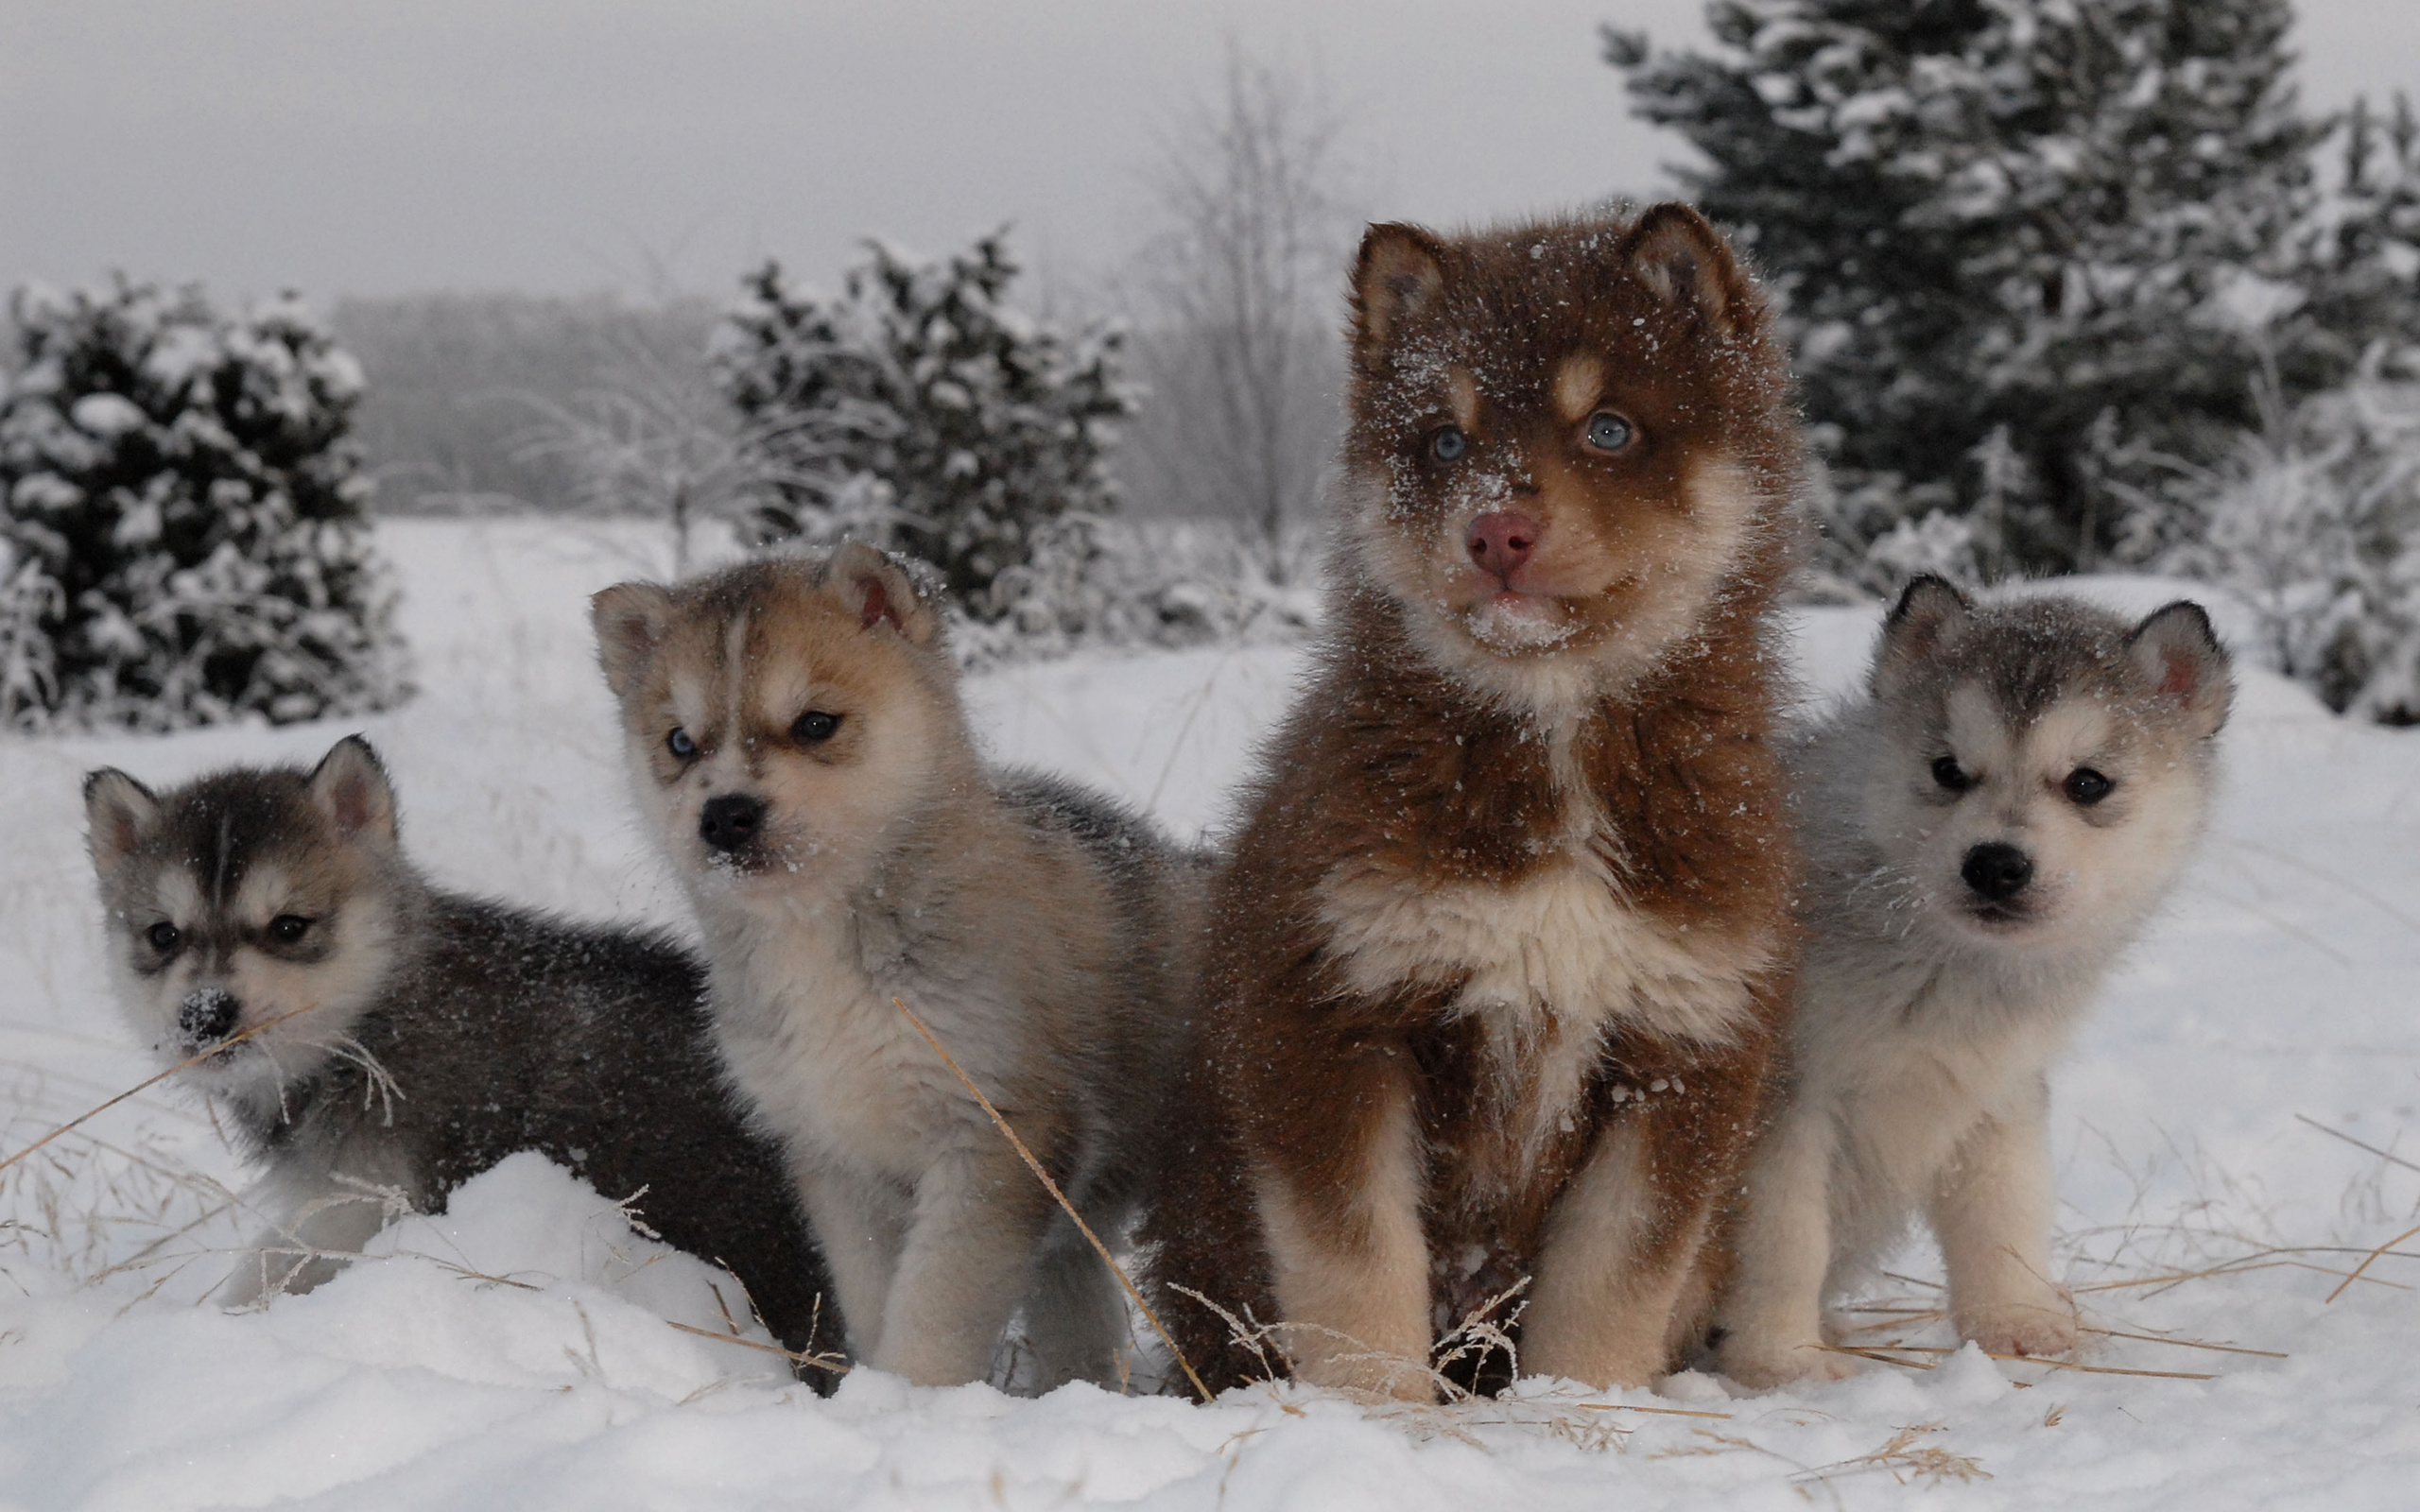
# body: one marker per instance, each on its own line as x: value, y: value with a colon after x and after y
x: 1765, y: 1367
x: 2043, y: 1328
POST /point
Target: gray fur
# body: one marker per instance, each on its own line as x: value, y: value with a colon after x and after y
x: 1928, y: 1013
x: 443, y: 1033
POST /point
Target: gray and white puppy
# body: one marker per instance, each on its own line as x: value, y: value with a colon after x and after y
x: 797, y: 742
x: 1983, y: 834
x: 374, y: 1031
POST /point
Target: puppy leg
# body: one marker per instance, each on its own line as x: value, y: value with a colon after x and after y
x: 1624, y: 1237
x: 1606, y: 1288
x: 1992, y: 1208
x: 1349, y: 1260
x: 979, y: 1215
x: 1771, y: 1313
x: 316, y: 1223
x: 1076, y: 1313
x: 861, y: 1227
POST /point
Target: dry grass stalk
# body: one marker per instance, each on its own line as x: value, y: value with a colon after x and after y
x: 1477, y: 1334
x: 2374, y: 1256
x: 819, y: 1362
x: 1457, y: 1409
x: 224, y: 1045
x: 1057, y: 1196
x: 2358, y: 1144
x: 1875, y: 1352
x: 2267, y: 1259
x: 1904, y: 1454
x: 2048, y: 1362
x: 2183, y: 1344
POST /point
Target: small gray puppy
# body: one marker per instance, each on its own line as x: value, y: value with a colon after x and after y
x: 1984, y: 836
x: 431, y: 1035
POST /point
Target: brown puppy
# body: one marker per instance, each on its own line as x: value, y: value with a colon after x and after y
x: 1497, y: 963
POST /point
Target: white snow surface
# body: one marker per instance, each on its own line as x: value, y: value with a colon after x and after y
x: 514, y: 1352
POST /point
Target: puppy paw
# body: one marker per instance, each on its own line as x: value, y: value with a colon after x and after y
x: 1762, y: 1368
x: 2047, y: 1327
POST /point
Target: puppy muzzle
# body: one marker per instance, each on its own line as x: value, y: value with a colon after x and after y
x: 207, y: 1017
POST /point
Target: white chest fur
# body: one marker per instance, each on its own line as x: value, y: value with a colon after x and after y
x: 1548, y: 965
x: 1909, y: 1064
x: 813, y: 1037
x: 1563, y: 943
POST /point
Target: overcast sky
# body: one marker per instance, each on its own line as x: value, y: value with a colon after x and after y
x: 342, y: 146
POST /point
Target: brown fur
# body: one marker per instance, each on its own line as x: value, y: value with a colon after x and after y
x: 1621, y: 768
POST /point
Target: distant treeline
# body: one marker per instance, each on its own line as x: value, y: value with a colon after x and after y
x: 452, y: 415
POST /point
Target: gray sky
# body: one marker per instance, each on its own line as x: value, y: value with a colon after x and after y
x: 380, y: 146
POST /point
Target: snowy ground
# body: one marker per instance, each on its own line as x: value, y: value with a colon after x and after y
x: 515, y: 1353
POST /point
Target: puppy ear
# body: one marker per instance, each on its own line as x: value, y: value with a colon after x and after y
x: 350, y: 786
x: 1930, y: 614
x: 119, y: 813
x: 631, y: 620
x: 880, y: 592
x: 1399, y: 272
x: 2178, y: 656
x: 1686, y: 263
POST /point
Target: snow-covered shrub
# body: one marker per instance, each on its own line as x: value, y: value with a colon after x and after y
x: 918, y: 411
x: 182, y: 537
x: 2314, y: 522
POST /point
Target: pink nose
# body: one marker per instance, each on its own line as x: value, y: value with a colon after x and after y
x: 1501, y: 543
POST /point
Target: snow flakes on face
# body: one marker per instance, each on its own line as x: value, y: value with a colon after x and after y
x: 1507, y: 348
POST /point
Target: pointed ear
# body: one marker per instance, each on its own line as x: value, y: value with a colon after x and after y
x: 1398, y: 273
x: 1930, y: 614
x: 350, y: 786
x: 2178, y: 656
x: 1686, y: 263
x: 119, y: 813
x: 631, y: 620
x: 880, y: 592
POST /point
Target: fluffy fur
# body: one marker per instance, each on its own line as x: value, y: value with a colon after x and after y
x: 439, y: 1034
x: 1042, y: 932
x: 1495, y: 969
x: 1985, y: 833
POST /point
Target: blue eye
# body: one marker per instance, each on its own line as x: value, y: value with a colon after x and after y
x: 680, y: 744
x: 1448, y: 444
x: 1608, y: 432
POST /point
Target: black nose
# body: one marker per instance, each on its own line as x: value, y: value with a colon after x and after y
x: 1998, y: 870
x: 208, y: 1017
x: 731, y: 821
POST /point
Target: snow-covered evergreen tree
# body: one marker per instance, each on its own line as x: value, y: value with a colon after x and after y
x: 182, y: 530
x: 2361, y: 255
x: 919, y: 411
x: 2005, y: 231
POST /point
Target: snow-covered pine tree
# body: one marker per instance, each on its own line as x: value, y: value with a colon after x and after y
x: 919, y: 411
x: 2362, y: 256
x: 2033, y: 220
x: 182, y: 531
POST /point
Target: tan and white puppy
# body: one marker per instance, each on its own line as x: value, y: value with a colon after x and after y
x: 1985, y: 835
x: 797, y: 742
